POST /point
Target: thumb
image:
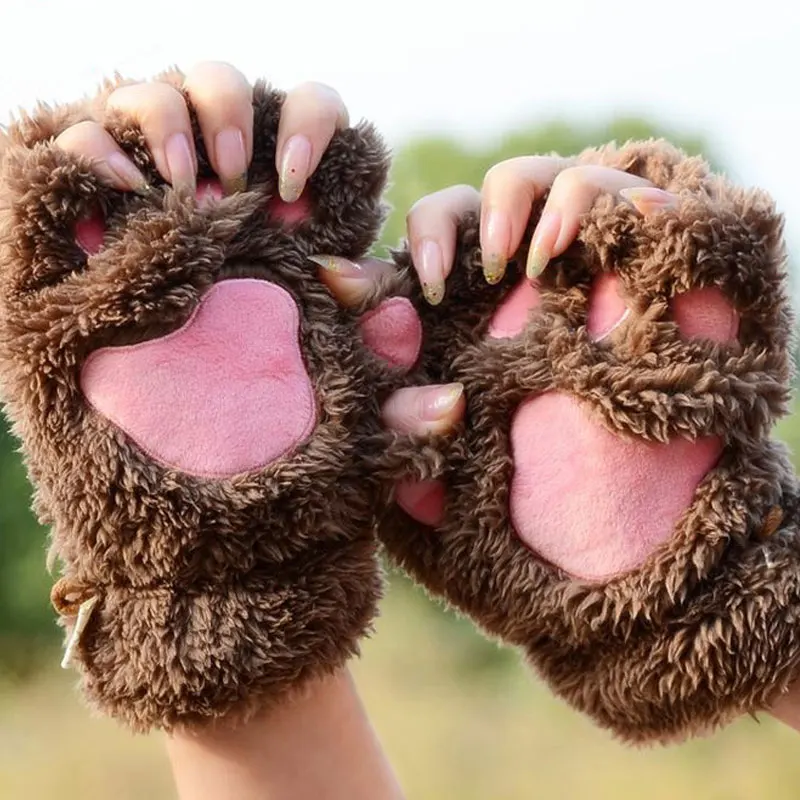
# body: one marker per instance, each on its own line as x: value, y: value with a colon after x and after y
x: 350, y: 281
x: 425, y: 409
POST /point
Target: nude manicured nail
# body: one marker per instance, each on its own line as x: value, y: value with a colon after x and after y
x: 295, y: 164
x: 542, y: 244
x: 430, y: 266
x: 231, y: 157
x: 338, y: 266
x: 126, y: 171
x: 349, y: 283
x: 494, y: 244
x: 180, y: 162
x: 647, y: 199
x: 438, y: 402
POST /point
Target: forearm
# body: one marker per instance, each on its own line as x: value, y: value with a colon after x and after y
x: 787, y: 708
x: 318, y: 745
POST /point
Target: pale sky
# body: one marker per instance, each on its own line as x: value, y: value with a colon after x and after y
x: 729, y: 70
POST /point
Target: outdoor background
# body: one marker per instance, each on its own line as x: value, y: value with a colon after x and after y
x: 455, y: 89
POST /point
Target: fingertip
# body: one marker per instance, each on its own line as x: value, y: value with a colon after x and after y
x: 432, y: 229
x: 649, y: 200
x: 311, y: 115
x: 349, y: 282
x: 222, y: 98
x: 454, y: 414
x: 109, y: 162
x: 509, y: 191
x: 443, y: 406
x: 575, y: 191
x: 495, y: 242
x: 294, y: 168
x: 181, y: 161
x: 231, y: 159
x: 544, y: 243
x: 429, y: 263
x: 122, y: 174
x: 425, y: 409
x: 161, y: 111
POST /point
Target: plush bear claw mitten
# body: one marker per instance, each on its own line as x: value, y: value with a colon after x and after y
x: 613, y: 503
x: 195, y: 412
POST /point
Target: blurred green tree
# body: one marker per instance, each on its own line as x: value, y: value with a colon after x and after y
x: 27, y: 629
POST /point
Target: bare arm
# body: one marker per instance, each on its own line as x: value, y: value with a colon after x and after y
x: 318, y: 745
x: 787, y: 708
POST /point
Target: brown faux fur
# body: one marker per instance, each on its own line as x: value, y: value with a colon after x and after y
x: 214, y: 596
x: 709, y: 626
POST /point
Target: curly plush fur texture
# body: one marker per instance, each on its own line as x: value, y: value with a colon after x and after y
x: 214, y: 596
x: 709, y: 626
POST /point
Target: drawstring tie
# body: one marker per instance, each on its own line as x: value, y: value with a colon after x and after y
x: 70, y: 598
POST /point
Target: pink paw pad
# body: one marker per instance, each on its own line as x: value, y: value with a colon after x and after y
x: 90, y: 232
x: 289, y: 213
x: 208, y: 190
x: 225, y: 394
x: 514, y: 313
x: 393, y: 332
x: 705, y: 314
x: 699, y: 313
x: 566, y: 462
x: 423, y: 501
x: 607, y: 309
x: 589, y: 501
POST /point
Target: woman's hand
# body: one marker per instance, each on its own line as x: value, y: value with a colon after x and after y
x: 222, y: 98
x: 505, y: 202
x: 320, y: 741
x: 312, y: 113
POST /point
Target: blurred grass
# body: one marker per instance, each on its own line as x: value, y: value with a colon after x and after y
x: 452, y: 730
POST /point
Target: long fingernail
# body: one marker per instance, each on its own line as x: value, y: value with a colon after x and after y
x: 338, y: 266
x: 430, y: 265
x: 231, y: 158
x: 347, y: 282
x: 126, y: 171
x: 438, y: 402
x: 542, y: 243
x: 180, y: 162
x: 648, y: 199
x: 294, y: 167
x: 494, y: 244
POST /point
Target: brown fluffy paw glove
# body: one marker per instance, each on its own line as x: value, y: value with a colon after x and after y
x: 613, y: 504
x: 195, y: 412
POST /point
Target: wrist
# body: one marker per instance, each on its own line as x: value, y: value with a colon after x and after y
x: 787, y: 707
x: 318, y: 743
